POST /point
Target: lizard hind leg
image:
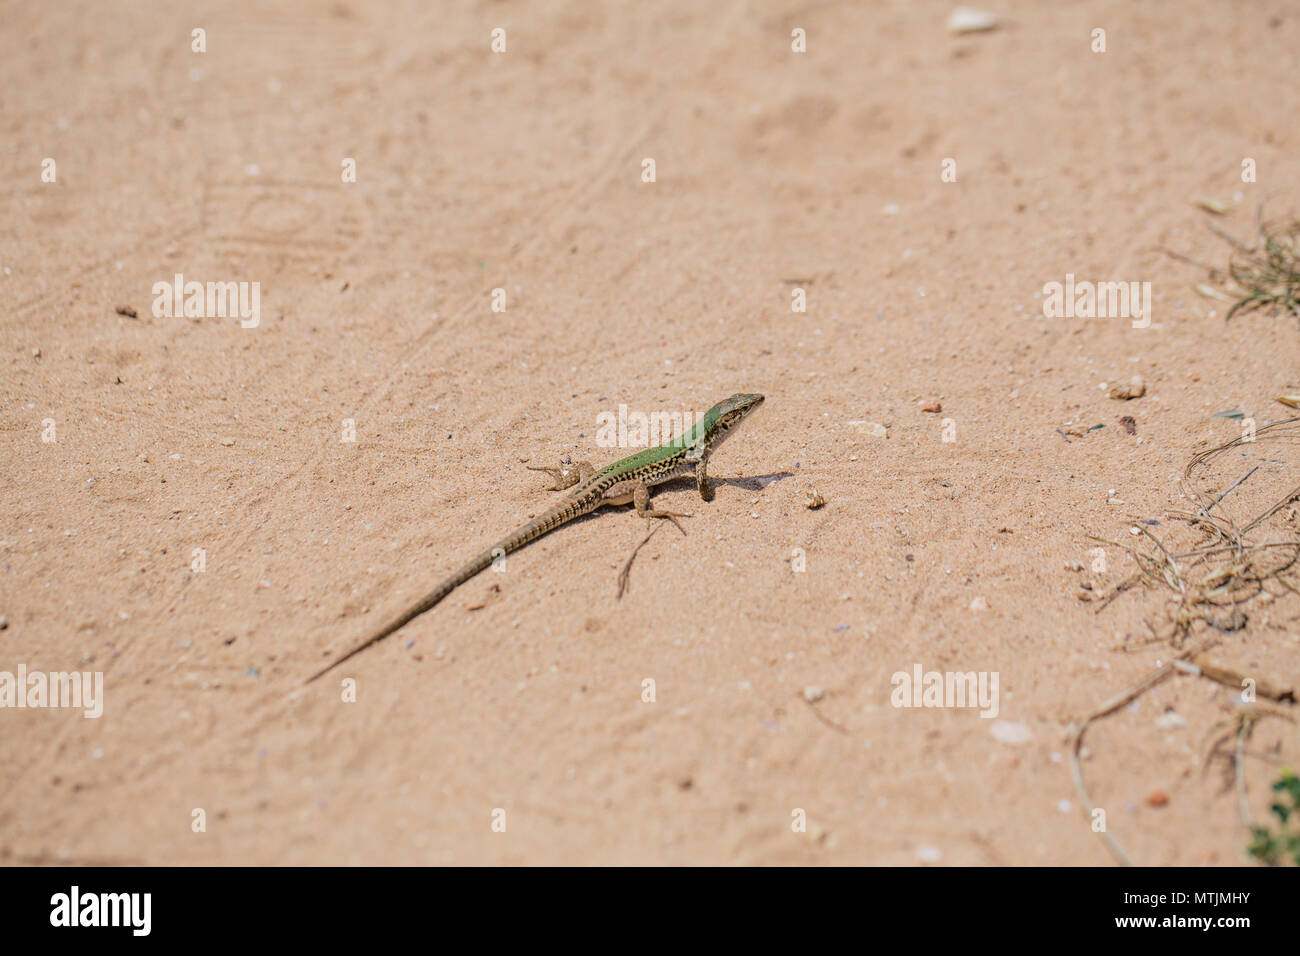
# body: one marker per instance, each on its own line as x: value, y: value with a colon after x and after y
x: 641, y: 499
x: 567, y: 474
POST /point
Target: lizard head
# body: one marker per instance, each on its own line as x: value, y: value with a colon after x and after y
x: 721, y: 420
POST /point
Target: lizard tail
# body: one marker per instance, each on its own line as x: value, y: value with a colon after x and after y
x: 411, y: 613
x: 521, y: 536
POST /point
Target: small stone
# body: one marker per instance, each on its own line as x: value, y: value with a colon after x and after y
x: 1129, y: 423
x: 227, y: 442
x: 933, y: 406
x: 1133, y: 388
x: 970, y: 20
x: 812, y: 693
x: 928, y: 854
x: 874, y: 429
x: 126, y: 310
x: 1007, y: 732
x: 1170, y: 721
x: 36, y: 353
x: 1157, y: 798
x: 979, y: 604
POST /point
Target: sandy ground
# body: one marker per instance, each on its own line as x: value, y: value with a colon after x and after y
x: 522, y: 171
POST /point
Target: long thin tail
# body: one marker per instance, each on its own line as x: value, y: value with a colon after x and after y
x: 521, y: 536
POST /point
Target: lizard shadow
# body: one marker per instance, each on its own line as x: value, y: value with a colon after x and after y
x: 756, y: 483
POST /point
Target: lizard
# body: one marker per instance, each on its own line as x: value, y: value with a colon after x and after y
x: 626, y: 481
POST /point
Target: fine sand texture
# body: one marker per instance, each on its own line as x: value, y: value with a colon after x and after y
x: 463, y: 261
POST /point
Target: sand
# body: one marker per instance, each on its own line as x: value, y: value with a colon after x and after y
x: 197, y: 529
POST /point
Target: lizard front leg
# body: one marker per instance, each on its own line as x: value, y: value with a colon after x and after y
x: 702, y: 483
x: 568, y: 474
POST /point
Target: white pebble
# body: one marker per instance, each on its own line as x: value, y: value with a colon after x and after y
x: 928, y: 854
x: 970, y: 20
x: 1006, y: 732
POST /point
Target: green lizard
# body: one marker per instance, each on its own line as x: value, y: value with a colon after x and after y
x: 627, y: 480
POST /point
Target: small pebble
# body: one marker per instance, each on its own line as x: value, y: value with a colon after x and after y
x: 812, y: 693
x: 1170, y: 721
x: 970, y: 20
x: 1007, y: 732
x: 933, y: 406
x: 1157, y: 798
x: 874, y: 429
x: 1133, y: 388
x: 928, y: 854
